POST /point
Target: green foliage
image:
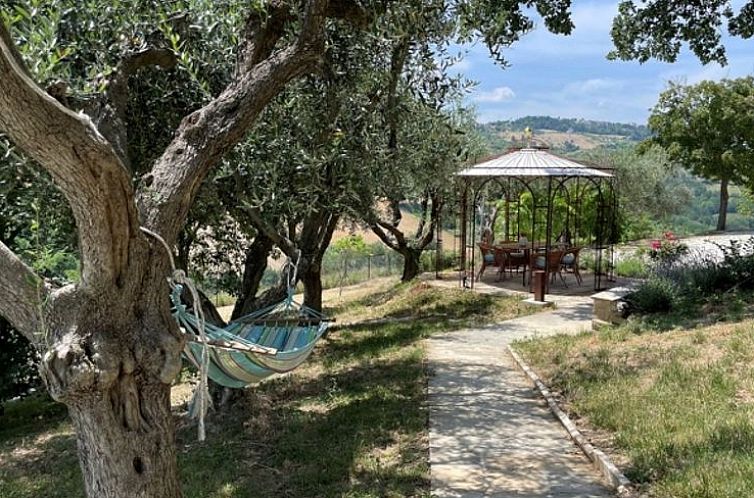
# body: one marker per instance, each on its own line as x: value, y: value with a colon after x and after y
x: 657, y: 29
x: 18, y: 359
x: 656, y: 295
x: 666, y: 252
x: 447, y: 260
x: 708, y: 277
x: 351, y: 245
x: 632, y: 267
x: 36, y: 224
x: 648, y: 189
x: 699, y: 279
x: 707, y: 127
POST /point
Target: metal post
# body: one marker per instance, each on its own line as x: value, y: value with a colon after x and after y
x: 464, y: 215
x: 538, y: 283
x: 369, y: 267
x: 438, y: 245
x: 473, y: 242
x: 548, y: 232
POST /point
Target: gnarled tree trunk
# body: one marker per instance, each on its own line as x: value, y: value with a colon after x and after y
x: 111, y: 346
x: 255, y: 265
x: 312, y: 280
x: 411, y: 263
x: 112, y: 357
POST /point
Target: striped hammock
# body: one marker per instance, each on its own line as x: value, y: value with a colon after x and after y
x: 272, y: 340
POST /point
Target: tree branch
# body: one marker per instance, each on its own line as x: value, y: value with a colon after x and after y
x: 22, y: 294
x: 383, y: 236
x: 81, y: 162
x: 109, y: 111
x: 207, y: 134
x: 264, y: 29
x: 434, y: 216
x: 423, y: 217
x: 397, y: 61
x: 326, y: 233
x: 395, y: 211
x: 285, y: 244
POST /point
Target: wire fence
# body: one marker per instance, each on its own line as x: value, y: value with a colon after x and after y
x: 339, y: 270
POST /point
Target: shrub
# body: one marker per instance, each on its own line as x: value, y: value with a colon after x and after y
x: 632, y: 266
x: 738, y: 259
x: 449, y: 260
x: 656, y: 295
x: 666, y: 252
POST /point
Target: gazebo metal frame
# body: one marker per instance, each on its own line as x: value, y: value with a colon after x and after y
x: 545, y: 176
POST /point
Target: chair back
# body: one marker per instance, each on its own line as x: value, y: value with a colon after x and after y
x: 490, y: 255
x: 574, y: 251
x: 553, y: 261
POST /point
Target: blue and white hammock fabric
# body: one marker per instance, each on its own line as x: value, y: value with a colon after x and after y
x: 272, y: 340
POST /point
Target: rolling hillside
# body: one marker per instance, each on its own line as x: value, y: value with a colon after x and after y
x: 562, y: 135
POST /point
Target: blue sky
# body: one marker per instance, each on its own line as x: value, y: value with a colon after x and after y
x: 569, y: 76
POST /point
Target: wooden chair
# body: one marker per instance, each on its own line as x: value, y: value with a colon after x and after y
x: 515, y: 259
x: 570, y: 263
x: 554, y: 262
x: 490, y: 257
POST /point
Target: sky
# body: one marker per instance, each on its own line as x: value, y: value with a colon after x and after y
x: 570, y: 76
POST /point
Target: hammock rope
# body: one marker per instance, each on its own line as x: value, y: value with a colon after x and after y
x: 179, y: 279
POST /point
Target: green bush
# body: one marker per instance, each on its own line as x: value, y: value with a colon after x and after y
x: 706, y: 280
x: 703, y: 275
x: 632, y: 266
x: 449, y: 260
x: 656, y: 295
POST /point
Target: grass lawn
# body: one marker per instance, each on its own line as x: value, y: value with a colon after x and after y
x: 675, y: 408
x: 351, y: 422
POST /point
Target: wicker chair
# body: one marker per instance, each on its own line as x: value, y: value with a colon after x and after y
x: 553, y: 267
x: 570, y: 263
x: 490, y: 257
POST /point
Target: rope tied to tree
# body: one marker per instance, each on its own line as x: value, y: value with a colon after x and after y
x: 201, y: 399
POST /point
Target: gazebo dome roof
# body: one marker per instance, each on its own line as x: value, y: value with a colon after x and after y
x: 531, y: 162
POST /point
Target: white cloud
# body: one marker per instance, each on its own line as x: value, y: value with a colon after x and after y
x: 499, y: 94
x: 592, y: 85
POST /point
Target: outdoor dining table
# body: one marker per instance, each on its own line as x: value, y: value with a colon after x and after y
x: 509, y: 249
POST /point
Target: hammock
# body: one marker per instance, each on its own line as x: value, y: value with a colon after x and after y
x: 272, y: 340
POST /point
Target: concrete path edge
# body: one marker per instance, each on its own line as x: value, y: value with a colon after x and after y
x: 600, y: 460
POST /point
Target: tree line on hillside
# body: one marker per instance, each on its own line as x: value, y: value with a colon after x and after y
x: 569, y: 125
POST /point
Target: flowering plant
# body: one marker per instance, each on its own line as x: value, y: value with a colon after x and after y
x: 667, y: 250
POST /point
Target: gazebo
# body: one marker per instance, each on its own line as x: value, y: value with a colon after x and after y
x: 539, y: 202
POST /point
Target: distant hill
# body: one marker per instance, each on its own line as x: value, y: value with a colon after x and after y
x: 562, y: 134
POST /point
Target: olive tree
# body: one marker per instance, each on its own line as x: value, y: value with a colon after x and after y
x: 707, y: 128
x: 110, y: 347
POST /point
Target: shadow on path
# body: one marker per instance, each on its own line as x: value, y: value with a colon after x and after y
x: 490, y: 434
